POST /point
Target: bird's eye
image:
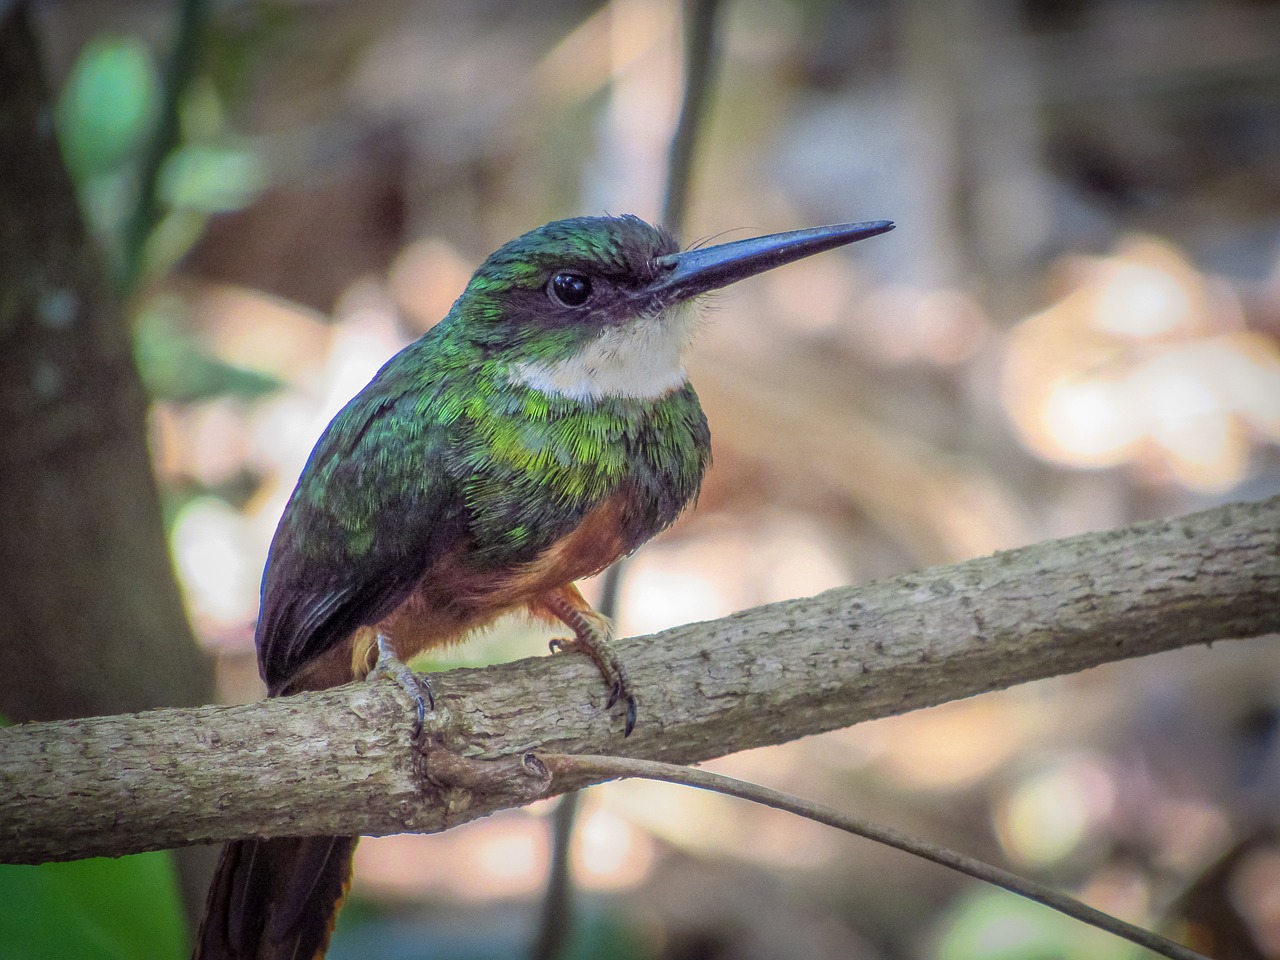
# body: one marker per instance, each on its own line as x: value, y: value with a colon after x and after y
x: 569, y: 289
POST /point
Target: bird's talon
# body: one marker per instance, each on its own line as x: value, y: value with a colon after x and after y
x: 630, y: 723
x: 425, y: 686
x: 415, y: 685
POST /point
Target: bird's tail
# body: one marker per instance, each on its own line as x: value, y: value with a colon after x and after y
x: 275, y: 899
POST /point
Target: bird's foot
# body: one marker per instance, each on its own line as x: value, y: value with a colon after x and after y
x: 416, y: 685
x: 594, y: 635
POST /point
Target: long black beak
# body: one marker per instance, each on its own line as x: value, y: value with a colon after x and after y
x: 709, y: 268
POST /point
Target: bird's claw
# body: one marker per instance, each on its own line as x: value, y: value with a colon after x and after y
x: 417, y: 686
x: 629, y: 723
x: 599, y: 647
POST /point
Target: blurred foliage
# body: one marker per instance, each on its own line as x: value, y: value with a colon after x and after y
x: 105, y: 113
x: 995, y: 925
x: 128, y: 908
x: 176, y: 368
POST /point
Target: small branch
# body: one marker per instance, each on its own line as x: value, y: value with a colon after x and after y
x: 701, y: 58
x: 556, y: 917
x: 340, y: 761
x: 602, y: 768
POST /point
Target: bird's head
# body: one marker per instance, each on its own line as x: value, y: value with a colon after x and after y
x: 599, y: 306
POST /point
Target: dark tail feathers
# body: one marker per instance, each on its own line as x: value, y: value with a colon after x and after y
x: 275, y: 899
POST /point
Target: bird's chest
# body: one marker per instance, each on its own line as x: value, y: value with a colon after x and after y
x: 590, y: 482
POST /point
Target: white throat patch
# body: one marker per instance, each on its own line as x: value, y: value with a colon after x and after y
x: 642, y: 360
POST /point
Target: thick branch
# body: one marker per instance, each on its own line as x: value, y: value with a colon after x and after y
x: 340, y: 761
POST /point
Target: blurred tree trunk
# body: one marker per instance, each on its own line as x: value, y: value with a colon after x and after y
x: 92, y: 618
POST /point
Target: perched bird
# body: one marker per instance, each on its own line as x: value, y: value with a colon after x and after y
x: 544, y: 429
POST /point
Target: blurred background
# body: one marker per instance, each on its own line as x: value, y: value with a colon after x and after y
x: 1075, y: 326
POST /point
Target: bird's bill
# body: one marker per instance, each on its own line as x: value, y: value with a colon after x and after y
x: 710, y: 268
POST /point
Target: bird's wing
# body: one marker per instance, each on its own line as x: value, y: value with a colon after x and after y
x: 375, y: 506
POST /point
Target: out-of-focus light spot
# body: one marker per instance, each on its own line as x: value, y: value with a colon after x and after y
x: 1088, y: 421
x: 1249, y: 373
x: 255, y: 330
x: 364, y: 339
x: 812, y: 298
x: 640, y: 107
x: 611, y: 853
x: 900, y: 325
x: 658, y: 594
x: 781, y: 556
x: 1191, y: 833
x: 1048, y: 815
x: 996, y: 925
x: 694, y: 819
x: 1121, y: 891
x: 947, y: 747
x: 508, y: 856
x: 210, y: 543
x: 216, y: 447
x: 1143, y: 301
x: 1255, y: 891
x: 1144, y: 362
x: 1207, y: 453
x: 426, y: 278
x: 1189, y: 417
x: 804, y: 564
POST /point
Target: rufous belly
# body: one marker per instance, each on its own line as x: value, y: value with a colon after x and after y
x: 453, y: 599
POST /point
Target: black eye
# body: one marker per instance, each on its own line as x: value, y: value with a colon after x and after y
x: 569, y: 289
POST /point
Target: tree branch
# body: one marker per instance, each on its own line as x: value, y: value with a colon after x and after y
x: 340, y: 761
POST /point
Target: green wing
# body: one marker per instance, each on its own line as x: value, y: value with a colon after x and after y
x: 375, y: 506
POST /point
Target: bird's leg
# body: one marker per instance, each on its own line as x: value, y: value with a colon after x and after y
x: 416, y: 685
x: 594, y: 634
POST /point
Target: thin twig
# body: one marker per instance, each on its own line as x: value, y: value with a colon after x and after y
x: 555, y: 919
x: 701, y: 57
x: 594, y: 766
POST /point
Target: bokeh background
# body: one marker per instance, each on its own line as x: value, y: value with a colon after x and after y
x: 1075, y: 326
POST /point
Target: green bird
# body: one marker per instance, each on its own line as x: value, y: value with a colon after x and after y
x: 544, y: 429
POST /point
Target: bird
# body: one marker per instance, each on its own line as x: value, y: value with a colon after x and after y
x: 544, y: 429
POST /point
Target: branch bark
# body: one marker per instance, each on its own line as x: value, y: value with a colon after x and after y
x: 341, y: 762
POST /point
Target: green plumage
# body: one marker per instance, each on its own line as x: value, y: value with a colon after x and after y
x: 446, y: 450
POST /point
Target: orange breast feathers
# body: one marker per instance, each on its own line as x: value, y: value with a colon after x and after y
x: 453, y: 599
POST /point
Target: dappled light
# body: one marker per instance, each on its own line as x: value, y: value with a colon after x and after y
x: 1145, y: 361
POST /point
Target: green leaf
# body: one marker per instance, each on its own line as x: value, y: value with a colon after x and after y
x: 98, y: 909
x: 211, y: 179
x: 107, y: 106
